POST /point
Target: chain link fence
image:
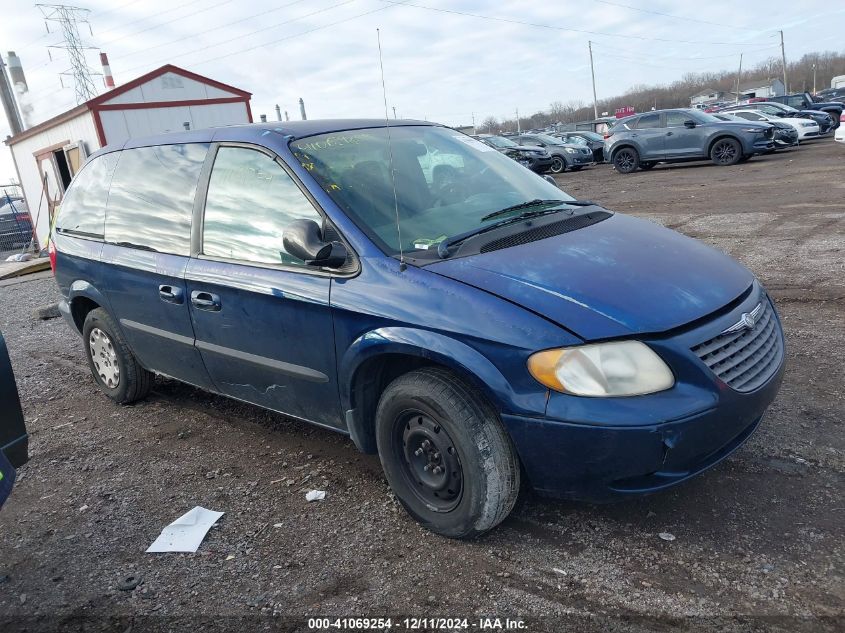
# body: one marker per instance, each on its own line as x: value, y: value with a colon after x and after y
x: 17, y: 231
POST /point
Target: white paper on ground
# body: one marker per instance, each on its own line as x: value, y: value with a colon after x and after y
x: 315, y: 495
x: 187, y: 532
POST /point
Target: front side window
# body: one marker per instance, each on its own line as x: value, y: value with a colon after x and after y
x: 250, y: 202
x: 354, y: 168
x: 676, y: 119
x: 83, y: 210
x: 152, y: 197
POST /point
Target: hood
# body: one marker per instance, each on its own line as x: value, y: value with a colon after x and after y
x: 619, y: 277
x: 744, y: 124
x: 836, y: 105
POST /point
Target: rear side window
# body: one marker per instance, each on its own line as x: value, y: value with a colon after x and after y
x: 152, y: 197
x: 648, y: 121
x: 250, y: 202
x: 83, y: 210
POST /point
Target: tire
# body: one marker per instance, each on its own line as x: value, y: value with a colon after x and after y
x: 558, y: 165
x: 647, y: 166
x: 106, y: 350
x: 430, y: 417
x: 626, y: 160
x: 726, y: 152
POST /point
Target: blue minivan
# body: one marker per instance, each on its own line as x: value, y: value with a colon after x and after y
x: 411, y: 287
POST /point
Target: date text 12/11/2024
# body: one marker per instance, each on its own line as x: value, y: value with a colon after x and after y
x: 413, y: 624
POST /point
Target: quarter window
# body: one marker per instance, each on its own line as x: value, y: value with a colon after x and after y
x: 83, y: 210
x: 152, y: 196
x: 251, y: 200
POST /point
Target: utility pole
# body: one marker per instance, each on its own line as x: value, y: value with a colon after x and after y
x: 783, y: 59
x: 68, y: 18
x: 593, y: 73
x: 518, y: 128
x: 10, y: 105
x: 474, y: 131
x: 394, y: 111
x: 814, y: 79
x: 738, y: 75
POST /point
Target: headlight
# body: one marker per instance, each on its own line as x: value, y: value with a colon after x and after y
x: 570, y: 150
x: 754, y: 130
x: 808, y: 124
x: 622, y: 368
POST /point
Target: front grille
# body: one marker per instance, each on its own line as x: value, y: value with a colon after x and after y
x: 746, y: 359
x: 548, y: 230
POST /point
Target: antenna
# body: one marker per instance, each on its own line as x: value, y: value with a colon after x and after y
x: 402, y: 265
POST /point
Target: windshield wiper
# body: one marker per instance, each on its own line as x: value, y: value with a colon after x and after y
x: 561, y: 205
x: 535, y: 203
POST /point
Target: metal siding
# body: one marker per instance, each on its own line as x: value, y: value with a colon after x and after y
x: 216, y: 115
x: 156, y: 90
x: 79, y: 128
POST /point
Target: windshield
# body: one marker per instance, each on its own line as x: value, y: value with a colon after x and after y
x: 446, y: 182
x: 702, y: 117
x: 592, y: 136
x: 500, y: 141
x: 549, y: 140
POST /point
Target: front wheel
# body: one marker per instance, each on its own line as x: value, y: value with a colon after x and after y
x: 725, y: 152
x: 626, y: 160
x: 558, y: 165
x: 446, y: 454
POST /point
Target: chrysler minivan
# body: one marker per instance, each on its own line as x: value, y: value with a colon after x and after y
x: 413, y: 288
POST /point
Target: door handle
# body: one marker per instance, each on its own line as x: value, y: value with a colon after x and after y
x: 202, y: 300
x: 171, y: 294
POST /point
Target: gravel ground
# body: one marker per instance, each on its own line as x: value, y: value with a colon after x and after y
x: 758, y: 540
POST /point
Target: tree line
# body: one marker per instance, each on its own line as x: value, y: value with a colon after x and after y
x: 678, y: 93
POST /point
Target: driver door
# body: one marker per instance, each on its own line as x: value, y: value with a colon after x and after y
x: 262, y: 319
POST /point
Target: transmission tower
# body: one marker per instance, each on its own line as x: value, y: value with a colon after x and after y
x: 68, y: 19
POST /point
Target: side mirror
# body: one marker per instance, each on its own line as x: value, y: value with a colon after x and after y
x: 551, y: 180
x: 689, y: 123
x: 304, y: 241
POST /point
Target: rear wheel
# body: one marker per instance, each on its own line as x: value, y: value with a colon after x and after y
x: 558, y: 165
x: 446, y: 454
x: 726, y: 151
x: 112, y: 363
x: 626, y: 160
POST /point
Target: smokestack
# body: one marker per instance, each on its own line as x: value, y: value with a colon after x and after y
x: 287, y: 116
x: 302, y: 109
x: 108, y: 80
x: 20, y: 87
x: 263, y: 118
x: 10, y: 106
x: 278, y: 113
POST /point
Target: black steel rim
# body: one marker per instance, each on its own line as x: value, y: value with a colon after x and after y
x: 557, y: 165
x: 624, y: 160
x: 429, y: 460
x: 725, y: 152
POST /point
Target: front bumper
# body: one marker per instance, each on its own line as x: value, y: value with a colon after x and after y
x: 540, y: 164
x: 581, y: 160
x: 598, y: 449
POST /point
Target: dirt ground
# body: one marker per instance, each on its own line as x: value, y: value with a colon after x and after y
x: 758, y: 539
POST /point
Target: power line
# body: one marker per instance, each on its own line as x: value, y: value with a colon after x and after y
x: 217, y: 28
x: 675, y: 17
x: 148, y: 17
x: 556, y: 28
x: 649, y: 56
x: 160, y: 25
x: 240, y: 37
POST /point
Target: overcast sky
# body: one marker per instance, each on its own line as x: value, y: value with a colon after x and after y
x: 441, y: 62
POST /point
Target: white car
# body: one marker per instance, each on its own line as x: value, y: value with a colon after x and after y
x: 807, y: 128
x: 840, y: 131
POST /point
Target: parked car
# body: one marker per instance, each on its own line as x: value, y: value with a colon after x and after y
x: 803, y: 128
x: 474, y: 328
x: 536, y: 159
x: 14, y: 440
x: 785, y: 135
x: 823, y: 119
x: 564, y: 155
x: 840, y: 131
x: 581, y: 137
x: 643, y: 140
x: 805, y: 101
x: 830, y: 94
x: 15, y: 223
